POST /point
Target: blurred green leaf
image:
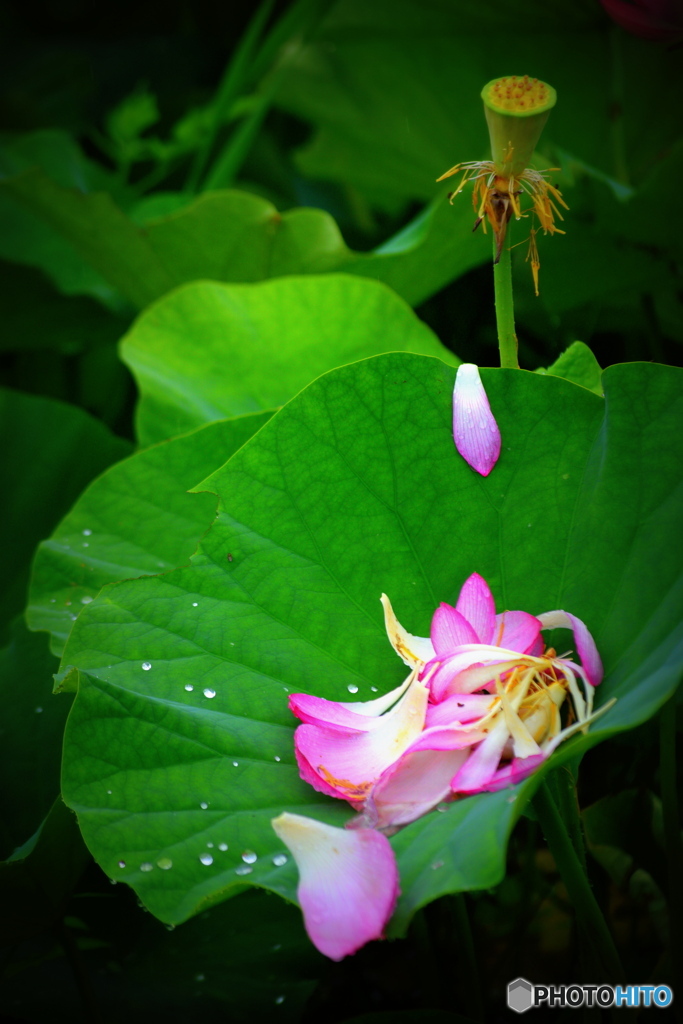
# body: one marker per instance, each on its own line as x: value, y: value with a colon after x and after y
x: 50, y: 451
x: 133, y: 520
x: 212, y: 350
x: 132, y: 116
x: 35, y: 316
x: 352, y: 489
x: 30, y: 736
x: 237, y: 236
x: 34, y: 239
x: 35, y: 887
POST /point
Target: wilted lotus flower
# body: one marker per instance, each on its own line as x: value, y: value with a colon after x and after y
x: 516, y: 110
x: 480, y: 710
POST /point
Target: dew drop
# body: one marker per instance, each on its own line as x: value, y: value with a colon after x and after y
x: 165, y: 863
x: 209, y: 846
x: 67, y: 603
x: 108, y: 792
x: 243, y: 869
x: 53, y: 600
x: 122, y: 863
x: 279, y: 859
x: 72, y: 617
x: 146, y: 665
x: 195, y: 604
x: 189, y: 687
x: 199, y: 977
x: 276, y: 758
x: 437, y: 864
x: 373, y: 689
x: 86, y: 533
x: 146, y: 866
x: 209, y: 693
x: 279, y: 1000
x: 206, y: 858
x: 352, y: 688
x: 278, y: 945
x: 170, y: 927
x: 249, y: 857
x: 203, y: 805
x: 86, y: 599
x: 38, y: 710
x: 235, y: 764
x: 112, y: 881
x: 511, y: 799
x: 85, y: 544
x: 222, y: 847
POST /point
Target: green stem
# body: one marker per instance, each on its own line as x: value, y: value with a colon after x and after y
x: 672, y: 834
x: 505, y: 310
x: 237, y: 73
x: 588, y: 913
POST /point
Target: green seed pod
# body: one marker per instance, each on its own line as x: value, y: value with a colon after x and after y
x: 516, y: 109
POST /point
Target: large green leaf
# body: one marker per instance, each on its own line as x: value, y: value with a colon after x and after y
x: 209, y: 350
x: 134, y: 520
x: 178, y: 750
x: 50, y: 451
x: 223, y: 235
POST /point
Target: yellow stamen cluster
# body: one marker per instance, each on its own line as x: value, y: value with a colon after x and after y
x: 496, y: 198
x: 518, y: 94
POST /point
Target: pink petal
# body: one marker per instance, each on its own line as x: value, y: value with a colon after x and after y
x: 348, y: 882
x: 516, y: 771
x: 450, y: 630
x: 585, y: 644
x: 420, y: 779
x: 345, y: 716
x: 475, y: 430
x: 328, y: 713
x: 454, y: 675
x: 481, y: 765
x: 345, y: 764
x: 477, y: 606
x: 516, y: 631
x: 459, y: 708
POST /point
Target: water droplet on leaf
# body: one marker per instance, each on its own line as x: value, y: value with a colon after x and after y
x: 206, y: 858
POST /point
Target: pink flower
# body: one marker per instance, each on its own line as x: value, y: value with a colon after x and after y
x: 475, y: 430
x: 479, y: 710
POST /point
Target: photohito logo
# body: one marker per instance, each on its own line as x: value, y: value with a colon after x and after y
x: 523, y: 996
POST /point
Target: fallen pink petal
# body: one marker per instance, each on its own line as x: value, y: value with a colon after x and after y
x: 475, y: 430
x: 348, y: 882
